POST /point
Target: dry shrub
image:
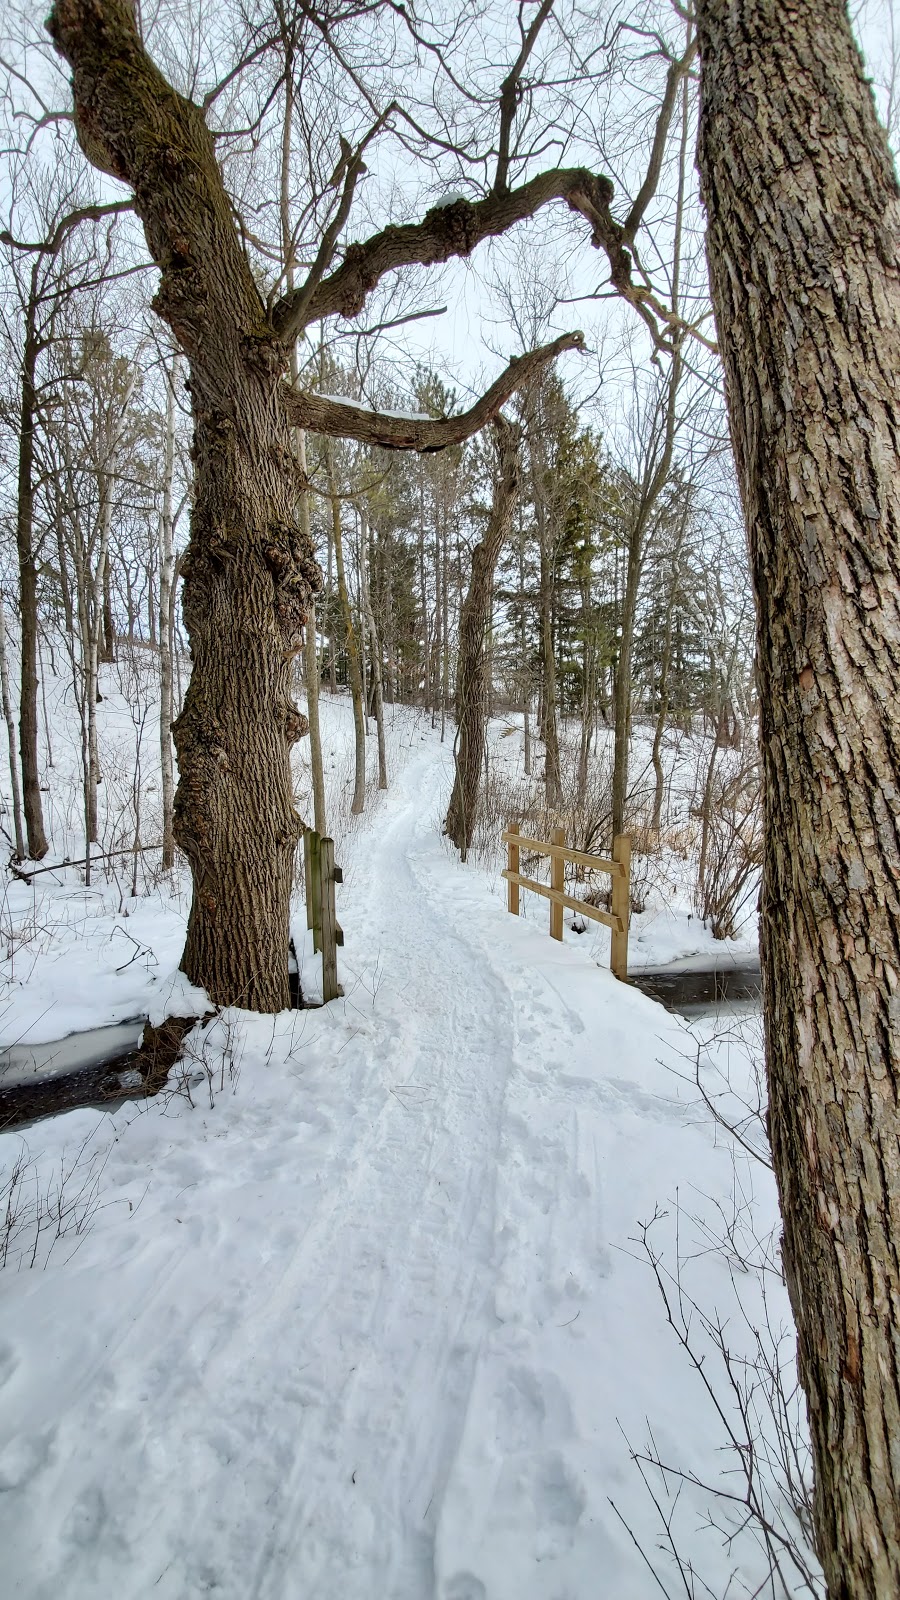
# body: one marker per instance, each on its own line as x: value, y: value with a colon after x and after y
x: 731, y: 856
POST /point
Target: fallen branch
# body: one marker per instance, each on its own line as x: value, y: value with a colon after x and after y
x: 57, y: 866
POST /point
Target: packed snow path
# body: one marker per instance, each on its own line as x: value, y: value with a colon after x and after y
x: 359, y: 1331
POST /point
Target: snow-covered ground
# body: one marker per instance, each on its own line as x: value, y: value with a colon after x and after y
x: 357, y: 1310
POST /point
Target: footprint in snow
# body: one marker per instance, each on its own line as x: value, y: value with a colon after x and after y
x: 8, y: 1363
x: 23, y: 1458
x: 464, y: 1586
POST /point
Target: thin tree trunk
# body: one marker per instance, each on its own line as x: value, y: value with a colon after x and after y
x: 589, y: 680
x: 108, y: 641
x: 94, y: 635
x: 665, y: 669
x: 445, y: 628
x: 423, y: 594
x: 166, y: 585
x: 47, y: 735
x: 471, y: 671
x: 28, y: 709
x: 524, y: 665
x: 375, y: 644
x: 804, y: 243
x: 311, y: 664
x: 655, y: 477
x: 9, y: 717
x: 548, y: 722
x: 353, y: 651
x: 662, y: 714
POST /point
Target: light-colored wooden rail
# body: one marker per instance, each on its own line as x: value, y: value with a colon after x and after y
x: 618, y: 868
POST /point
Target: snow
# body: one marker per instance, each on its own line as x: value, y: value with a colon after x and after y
x: 354, y: 1310
x: 379, y: 411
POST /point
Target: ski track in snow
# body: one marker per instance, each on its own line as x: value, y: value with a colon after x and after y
x: 370, y: 1396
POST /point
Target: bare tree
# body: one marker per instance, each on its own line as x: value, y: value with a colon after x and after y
x: 249, y: 575
x: 472, y: 666
x: 48, y: 272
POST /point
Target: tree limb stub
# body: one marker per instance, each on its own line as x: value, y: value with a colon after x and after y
x: 341, y: 420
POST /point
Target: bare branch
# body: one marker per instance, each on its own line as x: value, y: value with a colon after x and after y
x: 674, y: 77
x: 510, y: 94
x: 343, y: 420
x: 51, y: 246
x: 448, y: 231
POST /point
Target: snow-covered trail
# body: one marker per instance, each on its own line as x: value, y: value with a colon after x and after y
x: 363, y: 1336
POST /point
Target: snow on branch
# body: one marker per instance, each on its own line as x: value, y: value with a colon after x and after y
x: 346, y: 419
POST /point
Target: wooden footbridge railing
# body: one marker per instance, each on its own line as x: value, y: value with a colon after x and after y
x: 618, y: 868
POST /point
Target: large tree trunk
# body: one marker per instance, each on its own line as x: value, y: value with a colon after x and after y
x: 246, y: 586
x: 803, y: 244
x: 471, y: 673
x: 28, y: 617
x: 248, y: 573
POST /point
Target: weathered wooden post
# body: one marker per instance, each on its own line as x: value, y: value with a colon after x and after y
x: 557, y: 881
x: 311, y: 849
x: 512, y: 862
x: 329, y: 927
x: 621, y: 905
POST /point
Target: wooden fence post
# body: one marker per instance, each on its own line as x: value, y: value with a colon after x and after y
x: 312, y: 845
x: 512, y: 889
x: 330, y: 989
x: 557, y: 881
x: 307, y: 876
x: 621, y: 905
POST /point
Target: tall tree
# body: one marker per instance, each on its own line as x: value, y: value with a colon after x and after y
x: 471, y: 705
x: 804, y: 253
x: 249, y: 574
x: 49, y: 273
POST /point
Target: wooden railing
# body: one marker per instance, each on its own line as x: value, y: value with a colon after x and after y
x: 618, y: 868
x: 321, y: 875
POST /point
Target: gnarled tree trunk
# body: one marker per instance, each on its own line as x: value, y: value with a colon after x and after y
x: 248, y: 575
x: 474, y: 619
x: 246, y: 586
x: 804, y: 235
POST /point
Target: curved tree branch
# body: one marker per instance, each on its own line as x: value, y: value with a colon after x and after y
x: 445, y: 232
x: 343, y: 420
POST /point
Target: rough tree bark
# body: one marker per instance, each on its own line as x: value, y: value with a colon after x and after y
x: 474, y: 619
x: 804, y: 253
